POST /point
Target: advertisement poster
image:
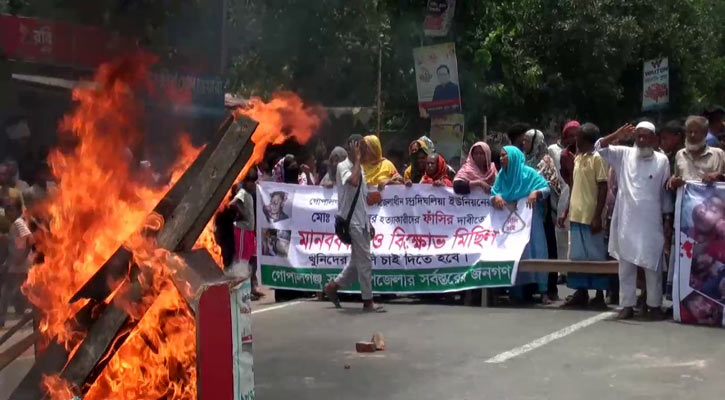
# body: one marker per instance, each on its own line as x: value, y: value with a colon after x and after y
x: 427, y: 239
x: 447, y: 133
x: 438, y: 17
x: 436, y: 75
x: 698, y: 293
x: 656, y: 84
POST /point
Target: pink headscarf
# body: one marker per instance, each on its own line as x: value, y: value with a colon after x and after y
x: 472, y: 172
x: 570, y: 125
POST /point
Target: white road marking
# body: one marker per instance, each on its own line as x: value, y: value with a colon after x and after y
x: 507, y: 355
x: 261, y: 310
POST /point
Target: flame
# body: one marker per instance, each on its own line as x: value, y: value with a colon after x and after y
x: 98, y: 206
x: 284, y: 117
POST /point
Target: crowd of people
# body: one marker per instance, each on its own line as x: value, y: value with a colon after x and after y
x: 594, y: 197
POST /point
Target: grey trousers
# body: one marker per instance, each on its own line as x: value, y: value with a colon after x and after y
x: 628, y: 285
x: 360, y: 267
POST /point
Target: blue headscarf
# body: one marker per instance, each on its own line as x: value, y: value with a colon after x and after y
x: 517, y: 180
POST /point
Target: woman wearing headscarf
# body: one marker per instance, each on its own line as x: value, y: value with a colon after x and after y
x: 418, y: 151
x: 378, y: 170
x: 286, y: 170
x: 516, y: 181
x: 337, y: 156
x: 477, y: 171
x: 436, y: 172
x: 537, y: 157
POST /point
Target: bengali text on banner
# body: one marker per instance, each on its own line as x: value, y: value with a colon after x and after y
x: 427, y: 239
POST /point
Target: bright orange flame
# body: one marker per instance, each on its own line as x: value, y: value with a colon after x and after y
x: 99, y: 204
x: 284, y: 117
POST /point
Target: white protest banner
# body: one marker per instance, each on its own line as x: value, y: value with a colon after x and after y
x: 436, y: 76
x: 698, y: 293
x: 438, y: 17
x: 427, y: 239
x: 655, y: 84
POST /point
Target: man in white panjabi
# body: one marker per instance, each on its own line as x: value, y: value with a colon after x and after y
x: 637, y: 235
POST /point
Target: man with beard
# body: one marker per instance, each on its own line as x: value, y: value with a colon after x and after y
x: 637, y: 235
x: 697, y: 161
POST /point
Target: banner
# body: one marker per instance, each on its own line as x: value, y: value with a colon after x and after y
x: 427, y: 239
x: 447, y: 133
x: 656, y: 84
x: 438, y: 17
x: 436, y: 76
x: 698, y: 293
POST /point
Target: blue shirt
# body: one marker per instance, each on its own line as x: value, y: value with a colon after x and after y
x: 711, y: 139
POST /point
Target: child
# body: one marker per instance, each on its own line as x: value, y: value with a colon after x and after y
x: 17, y: 264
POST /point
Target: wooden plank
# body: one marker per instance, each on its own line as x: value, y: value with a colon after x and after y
x: 564, y: 266
x: 198, y: 270
x: 16, y: 350
x: 18, y: 326
x: 113, y: 270
x: 222, y: 161
x: 188, y: 220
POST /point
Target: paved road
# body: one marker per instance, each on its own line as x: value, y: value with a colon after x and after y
x: 441, y: 352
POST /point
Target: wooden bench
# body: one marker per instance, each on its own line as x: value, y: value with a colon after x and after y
x: 560, y: 266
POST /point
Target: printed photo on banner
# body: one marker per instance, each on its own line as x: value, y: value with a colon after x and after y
x: 277, y: 207
x: 436, y: 71
x: 438, y: 17
x: 447, y: 133
x: 275, y: 243
x: 699, y: 294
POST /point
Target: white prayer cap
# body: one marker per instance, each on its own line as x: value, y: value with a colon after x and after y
x: 647, y: 125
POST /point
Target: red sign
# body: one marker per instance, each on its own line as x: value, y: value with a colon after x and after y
x: 37, y: 40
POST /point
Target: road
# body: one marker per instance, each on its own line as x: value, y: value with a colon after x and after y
x: 302, y: 348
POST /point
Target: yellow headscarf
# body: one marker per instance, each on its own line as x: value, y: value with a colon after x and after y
x: 381, y: 169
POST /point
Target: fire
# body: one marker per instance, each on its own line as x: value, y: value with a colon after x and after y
x: 284, y: 117
x: 100, y: 203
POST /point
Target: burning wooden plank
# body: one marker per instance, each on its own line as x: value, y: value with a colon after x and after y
x: 201, y: 198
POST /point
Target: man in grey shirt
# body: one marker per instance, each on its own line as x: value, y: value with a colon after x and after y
x: 360, y: 268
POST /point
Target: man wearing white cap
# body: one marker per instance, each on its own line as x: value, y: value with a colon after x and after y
x: 637, y: 235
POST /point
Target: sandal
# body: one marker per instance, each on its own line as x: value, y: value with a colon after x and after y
x: 375, y: 309
x: 332, y: 295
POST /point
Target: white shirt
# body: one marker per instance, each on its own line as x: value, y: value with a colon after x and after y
x: 346, y: 192
x: 17, y: 245
x: 637, y: 233
x: 247, y: 202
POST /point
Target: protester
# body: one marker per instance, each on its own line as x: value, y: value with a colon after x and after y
x: 436, y: 172
x: 308, y: 171
x: 586, y: 206
x: 245, y: 242
x: 515, y: 181
x: 698, y: 161
x: 352, y: 188
x: 672, y: 140
x: 572, y: 128
x: 286, y: 170
x: 477, y: 171
x: 379, y: 171
x: 537, y: 157
x: 567, y: 145
x: 716, y: 128
x: 637, y: 236
x: 17, y: 263
x: 7, y: 184
x: 418, y: 152
x: 337, y: 156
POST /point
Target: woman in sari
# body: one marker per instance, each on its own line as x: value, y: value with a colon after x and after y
x: 378, y: 170
x: 286, y: 170
x: 436, y: 172
x: 418, y: 151
x: 477, y: 171
x: 516, y: 181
